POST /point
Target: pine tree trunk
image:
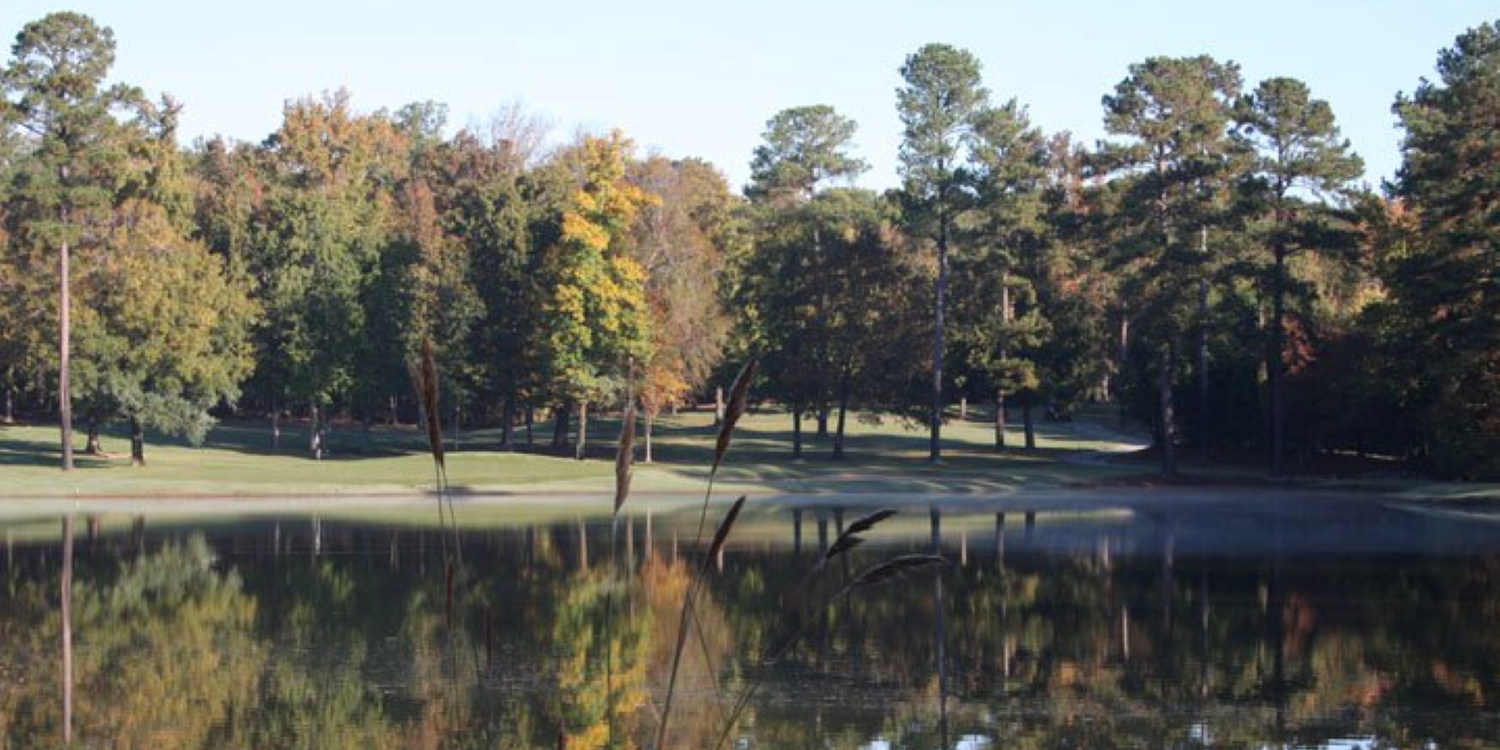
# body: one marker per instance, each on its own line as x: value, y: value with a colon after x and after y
x: 999, y: 419
x: 1028, y: 422
x: 92, y: 445
x: 838, y: 438
x: 1275, y: 367
x: 1164, y: 393
x: 650, y: 423
x: 65, y: 604
x: 314, y: 433
x: 137, y: 443
x: 64, y: 348
x: 934, y: 448
x: 797, y: 430
x: 1203, y: 355
x: 10, y: 405
x: 561, y: 415
x: 583, y: 430
x: 1124, y: 350
x: 718, y: 405
x: 508, y: 424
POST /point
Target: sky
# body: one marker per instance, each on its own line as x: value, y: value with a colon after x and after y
x: 701, y: 78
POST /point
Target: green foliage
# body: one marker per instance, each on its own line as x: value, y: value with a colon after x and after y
x: 593, y: 311
x: 941, y: 97
x: 1443, y: 314
x: 317, y: 243
x: 164, y: 334
x: 802, y: 148
x: 1217, y: 222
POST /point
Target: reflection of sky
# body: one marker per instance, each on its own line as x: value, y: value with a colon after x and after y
x: 1353, y: 743
x: 1198, y: 732
x: 966, y: 742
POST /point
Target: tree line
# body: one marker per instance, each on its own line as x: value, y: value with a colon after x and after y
x: 1214, y: 266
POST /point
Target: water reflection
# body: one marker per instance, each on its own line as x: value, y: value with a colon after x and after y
x: 1117, y: 628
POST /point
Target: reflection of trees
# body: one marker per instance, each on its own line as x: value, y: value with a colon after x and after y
x: 258, y: 649
x: 1398, y: 648
x: 697, y: 711
x: 164, y: 655
x: 601, y: 660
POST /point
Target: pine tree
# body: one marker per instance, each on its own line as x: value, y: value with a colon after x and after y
x: 56, y: 95
x: 938, y: 104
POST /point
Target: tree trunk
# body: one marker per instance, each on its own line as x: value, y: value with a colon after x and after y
x: 314, y: 434
x: 718, y: 405
x: 650, y: 423
x: 458, y: 423
x: 560, y: 418
x: 508, y: 424
x: 822, y: 421
x: 1124, y: 350
x: 391, y: 417
x: 530, y: 422
x: 64, y: 346
x: 963, y: 408
x: 1164, y: 393
x: 583, y: 430
x: 1275, y: 366
x: 999, y: 419
x: 92, y: 446
x: 1203, y: 354
x: 838, y: 438
x: 1027, y: 421
x: 65, y: 604
x: 934, y: 448
x: 10, y: 405
x: 1004, y: 355
x: 137, y: 443
x: 275, y: 428
x: 797, y: 430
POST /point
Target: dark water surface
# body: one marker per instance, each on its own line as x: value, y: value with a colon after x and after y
x: 1283, y: 622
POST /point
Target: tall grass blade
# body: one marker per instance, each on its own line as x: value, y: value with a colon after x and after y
x: 425, y: 381
x: 624, y: 459
x: 894, y: 568
x: 850, y: 538
x: 722, y: 535
x: 841, y: 545
x: 866, y: 523
x: 733, y: 412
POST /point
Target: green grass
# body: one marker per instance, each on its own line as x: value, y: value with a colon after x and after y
x: 883, y: 455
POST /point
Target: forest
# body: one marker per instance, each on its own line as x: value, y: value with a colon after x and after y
x: 1216, y: 268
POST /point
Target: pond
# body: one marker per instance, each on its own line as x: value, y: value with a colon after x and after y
x: 1158, y: 620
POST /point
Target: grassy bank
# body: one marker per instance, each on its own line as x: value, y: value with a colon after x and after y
x: 239, y: 459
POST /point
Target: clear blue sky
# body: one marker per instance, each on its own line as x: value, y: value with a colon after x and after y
x: 700, y: 78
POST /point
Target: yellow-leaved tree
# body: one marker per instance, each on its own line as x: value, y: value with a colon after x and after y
x: 594, y: 308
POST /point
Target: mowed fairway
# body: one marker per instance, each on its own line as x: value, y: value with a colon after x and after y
x: 882, y: 455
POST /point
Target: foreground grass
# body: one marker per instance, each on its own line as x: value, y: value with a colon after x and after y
x: 883, y: 455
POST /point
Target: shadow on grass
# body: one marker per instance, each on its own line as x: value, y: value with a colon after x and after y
x: 880, y: 456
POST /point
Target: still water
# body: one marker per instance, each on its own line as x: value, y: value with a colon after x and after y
x: 1283, y: 622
